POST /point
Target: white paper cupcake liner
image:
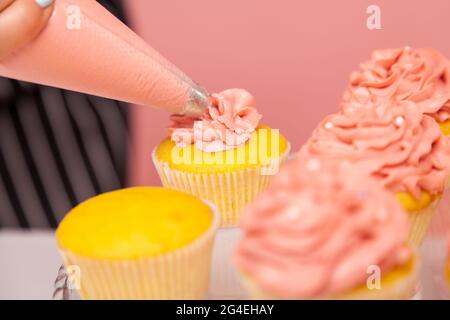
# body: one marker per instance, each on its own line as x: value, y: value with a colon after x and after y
x: 440, y: 225
x: 181, y: 274
x: 420, y: 221
x: 229, y: 191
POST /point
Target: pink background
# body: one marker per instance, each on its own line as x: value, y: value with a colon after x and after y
x: 293, y: 56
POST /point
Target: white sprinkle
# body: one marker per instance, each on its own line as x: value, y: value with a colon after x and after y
x: 407, y: 48
x: 313, y: 165
x: 436, y: 104
x: 329, y: 125
x: 346, y: 163
x: 382, y: 215
x: 408, y: 66
x: 403, y: 255
x: 363, y: 195
x: 379, y: 110
x: 362, y: 92
x: 352, y: 108
x: 399, y: 121
x: 293, y: 213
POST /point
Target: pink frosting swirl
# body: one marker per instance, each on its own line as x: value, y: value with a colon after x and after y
x: 393, y: 142
x: 418, y: 75
x: 318, y: 228
x: 228, y: 123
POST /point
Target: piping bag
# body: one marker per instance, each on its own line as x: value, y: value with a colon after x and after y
x: 85, y: 48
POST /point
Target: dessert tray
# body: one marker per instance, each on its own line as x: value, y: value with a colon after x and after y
x: 225, y: 284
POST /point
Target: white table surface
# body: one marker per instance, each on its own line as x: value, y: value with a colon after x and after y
x: 29, y: 263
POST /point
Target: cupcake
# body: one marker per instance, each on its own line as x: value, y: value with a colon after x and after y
x: 324, y: 230
x: 225, y: 156
x: 140, y: 243
x: 418, y: 75
x: 397, y: 145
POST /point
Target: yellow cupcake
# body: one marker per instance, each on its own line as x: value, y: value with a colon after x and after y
x: 445, y: 127
x: 305, y: 246
x: 398, y: 284
x: 420, y: 212
x: 231, y: 178
x: 140, y: 243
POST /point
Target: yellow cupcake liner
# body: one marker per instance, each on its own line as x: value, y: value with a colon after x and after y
x: 229, y: 191
x: 181, y: 274
x: 403, y: 288
x: 419, y: 223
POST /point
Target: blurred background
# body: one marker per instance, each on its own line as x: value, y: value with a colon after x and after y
x: 58, y: 148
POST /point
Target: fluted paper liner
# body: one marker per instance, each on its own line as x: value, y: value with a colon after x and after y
x: 181, y: 274
x: 440, y: 225
x: 419, y: 222
x: 229, y: 191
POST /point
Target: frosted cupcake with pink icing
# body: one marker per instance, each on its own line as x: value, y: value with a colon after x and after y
x: 324, y: 230
x: 225, y: 156
x: 418, y: 75
x: 395, y: 143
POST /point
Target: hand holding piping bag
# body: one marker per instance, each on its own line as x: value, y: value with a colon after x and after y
x: 84, y: 48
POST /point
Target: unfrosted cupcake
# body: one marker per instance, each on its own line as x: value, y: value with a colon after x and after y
x: 395, y: 143
x: 225, y: 156
x: 140, y: 243
x: 324, y: 230
x: 418, y: 75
